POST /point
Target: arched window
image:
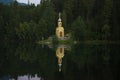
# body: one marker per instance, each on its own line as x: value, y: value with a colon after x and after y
x: 61, y: 50
x: 61, y: 34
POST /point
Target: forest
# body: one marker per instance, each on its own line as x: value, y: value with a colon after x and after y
x: 83, y: 19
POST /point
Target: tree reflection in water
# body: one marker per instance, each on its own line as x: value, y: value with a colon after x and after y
x: 80, y: 62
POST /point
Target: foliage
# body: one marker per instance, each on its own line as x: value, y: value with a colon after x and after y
x: 31, y: 23
x: 55, y: 40
x: 79, y: 26
x: 106, y: 31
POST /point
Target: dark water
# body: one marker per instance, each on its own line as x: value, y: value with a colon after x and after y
x: 63, y: 62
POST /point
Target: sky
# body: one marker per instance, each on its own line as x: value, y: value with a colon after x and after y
x: 31, y: 1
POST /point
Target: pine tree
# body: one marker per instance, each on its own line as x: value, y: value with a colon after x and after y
x: 79, y: 29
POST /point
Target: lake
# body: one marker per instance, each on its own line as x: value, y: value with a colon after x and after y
x: 60, y: 62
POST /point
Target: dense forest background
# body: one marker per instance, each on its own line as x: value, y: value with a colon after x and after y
x: 84, y: 19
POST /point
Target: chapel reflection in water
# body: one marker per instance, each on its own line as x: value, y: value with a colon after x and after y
x: 60, y: 55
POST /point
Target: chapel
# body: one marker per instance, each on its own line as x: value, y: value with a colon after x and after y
x: 60, y: 29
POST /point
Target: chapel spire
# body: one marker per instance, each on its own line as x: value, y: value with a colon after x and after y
x: 59, y: 17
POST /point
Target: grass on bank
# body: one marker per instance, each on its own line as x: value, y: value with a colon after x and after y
x: 55, y: 40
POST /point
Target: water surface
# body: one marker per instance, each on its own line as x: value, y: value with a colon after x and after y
x: 61, y: 62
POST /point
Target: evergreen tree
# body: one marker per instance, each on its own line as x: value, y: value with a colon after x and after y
x: 106, y: 32
x: 107, y: 11
x: 79, y: 29
x: 68, y: 6
x: 49, y: 16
